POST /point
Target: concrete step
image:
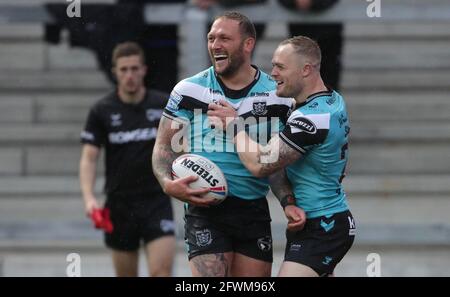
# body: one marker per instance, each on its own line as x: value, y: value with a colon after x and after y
x: 395, y: 79
x: 396, y: 54
x: 398, y: 158
x: 367, y: 45
x: 352, y: 80
x: 362, y: 132
x: 60, y: 107
x: 356, y: 30
x: 22, y: 56
x: 385, y: 186
x: 58, y: 222
x: 28, y: 76
x: 371, y: 209
x: 30, y: 133
x: 367, y: 54
x: 365, y: 108
x: 369, y: 157
x: 21, y: 33
x: 65, y: 57
x: 395, y: 262
x: 396, y: 30
x: 76, y: 81
x: 401, y: 106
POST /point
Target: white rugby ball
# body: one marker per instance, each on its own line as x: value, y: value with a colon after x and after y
x: 209, y: 175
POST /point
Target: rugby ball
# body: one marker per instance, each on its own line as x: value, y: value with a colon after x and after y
x: 209, y: 175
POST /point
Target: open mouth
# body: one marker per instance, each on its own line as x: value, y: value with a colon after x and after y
x: 279, y: 82
x: 220, y: 58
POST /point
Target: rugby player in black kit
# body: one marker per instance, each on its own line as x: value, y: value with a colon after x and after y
x: 125, y: 123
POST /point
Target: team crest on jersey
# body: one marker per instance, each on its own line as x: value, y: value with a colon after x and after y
x: 259, y: 108
x: 203, y: 237
x: 116, y: 119
x: 153, y: 114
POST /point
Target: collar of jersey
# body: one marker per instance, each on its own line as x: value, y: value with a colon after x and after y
x: 238, y: 94
x: 116, y: 96
x: 313, y: 96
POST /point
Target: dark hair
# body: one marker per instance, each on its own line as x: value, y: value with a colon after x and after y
x: 246, y: 26
x: 305, y: 46
x: 127, y: 49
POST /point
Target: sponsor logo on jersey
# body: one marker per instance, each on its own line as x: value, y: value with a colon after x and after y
x: 116, y: 119
x: 331, y: 100
x: 302, y: 124
x: 314, y: 105
x: 132, y: 136
x: 259, y: 94
x: 342, y: 120
x: 174, y: 101
x: 200, y: 171
x: 215, y: 92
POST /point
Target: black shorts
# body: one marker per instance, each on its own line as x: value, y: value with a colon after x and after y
x: 323, y: 242
x: 235, y: 225
x: 135, y: 218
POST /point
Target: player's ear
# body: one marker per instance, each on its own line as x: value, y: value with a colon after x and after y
x: 307, y: 69
x: 249, y: 44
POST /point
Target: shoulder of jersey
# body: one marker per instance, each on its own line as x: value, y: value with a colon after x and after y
x: 201, y: 79
x: 322, y: 104
x: 105, y: 101
x: 156, y: 98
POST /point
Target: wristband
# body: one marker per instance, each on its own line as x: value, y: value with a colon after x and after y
x: 289, y: 199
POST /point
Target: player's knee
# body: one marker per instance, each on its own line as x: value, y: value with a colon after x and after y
x: 162, y: 270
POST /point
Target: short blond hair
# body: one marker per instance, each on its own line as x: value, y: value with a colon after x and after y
x: 305, y: 47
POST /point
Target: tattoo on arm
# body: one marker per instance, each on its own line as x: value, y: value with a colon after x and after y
x: 211, y: 265
x: 163, y: 154
x: 276, y: 155
x: 280, y: 185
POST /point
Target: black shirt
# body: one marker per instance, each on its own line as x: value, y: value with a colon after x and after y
x: 128, y: 133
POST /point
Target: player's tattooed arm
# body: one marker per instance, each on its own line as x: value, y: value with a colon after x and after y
x: 280, y: 185
x: 264, y: 160
x: 210, y: 265
x: 163, y: 152
x: 275, y: 156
